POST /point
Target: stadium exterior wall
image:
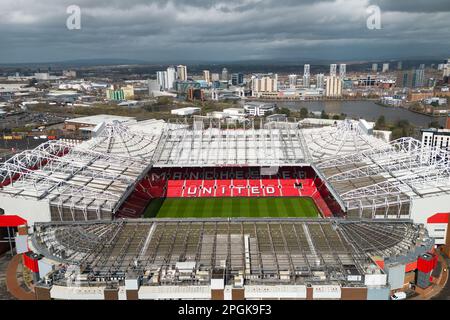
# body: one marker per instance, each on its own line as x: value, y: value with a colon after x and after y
x: 278, y: 292
x: 29, y: 209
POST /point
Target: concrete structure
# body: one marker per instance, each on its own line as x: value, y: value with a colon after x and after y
x: 375, y: 67
x: 385, y: 67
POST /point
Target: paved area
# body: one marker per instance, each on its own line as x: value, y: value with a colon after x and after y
x: 4, y: 294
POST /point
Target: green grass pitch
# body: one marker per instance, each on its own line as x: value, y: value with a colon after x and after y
x: 289, y: 207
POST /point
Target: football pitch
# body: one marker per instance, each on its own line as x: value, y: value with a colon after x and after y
x: 294, y: 207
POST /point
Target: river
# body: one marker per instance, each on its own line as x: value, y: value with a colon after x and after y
x: 368, y: 110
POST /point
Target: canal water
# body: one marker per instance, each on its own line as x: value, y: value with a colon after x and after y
x: 368, y: 110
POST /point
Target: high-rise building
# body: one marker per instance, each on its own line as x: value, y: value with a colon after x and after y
x: 375, y: 67
x: 307, y: 76
x: 447, y: 69
x: 418, y: 80
x: 333, y: 70
x: 153, y: 86
x: 333, y: 86
x: 161, y: 77
x: 385, y: 67
x: 225, y: 74
x: 399, y: 65
x: 320, y: 81
x: 182, y: 73
x: 292, y: 81
x: 171, y: 77
x: 342, y: 71
x: 237, y: 79
x: 215, y: 77
x: 207, y: 76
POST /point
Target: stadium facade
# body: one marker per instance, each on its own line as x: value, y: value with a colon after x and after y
x: 83, y: 202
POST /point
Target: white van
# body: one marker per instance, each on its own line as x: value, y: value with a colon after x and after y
x: 398, y: 296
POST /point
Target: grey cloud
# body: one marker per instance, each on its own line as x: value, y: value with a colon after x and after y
x: 220, y: 29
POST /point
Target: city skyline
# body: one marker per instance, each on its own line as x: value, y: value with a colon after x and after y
x: 218, y: 30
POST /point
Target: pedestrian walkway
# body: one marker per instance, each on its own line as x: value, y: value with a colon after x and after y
x: 14, y: 274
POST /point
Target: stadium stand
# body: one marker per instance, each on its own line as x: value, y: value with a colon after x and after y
x: 228, y: 182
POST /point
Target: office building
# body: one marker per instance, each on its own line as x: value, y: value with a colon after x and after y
x: 342, y: 71
x: 333, y: 86
x: 207, y: 76
x: 399, y: 65
x: 182, y: 73
x: 161, y: 77
x: 446, y: 69
x: 225, y: 74
x: 333, y: 70
x: 385, y: 67
x: 375, y: 67
x: 237, y: 79
x: 215, y: 77
x: 418, y: 80
x: 306, y: 76
x: 171, y: 77
x: 293, y: 81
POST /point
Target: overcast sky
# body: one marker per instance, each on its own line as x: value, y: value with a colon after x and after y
x: 218, y: 30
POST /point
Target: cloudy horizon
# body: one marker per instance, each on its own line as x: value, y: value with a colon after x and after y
x: 213, y: 30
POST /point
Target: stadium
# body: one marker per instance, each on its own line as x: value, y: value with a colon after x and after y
x: 216, y: 210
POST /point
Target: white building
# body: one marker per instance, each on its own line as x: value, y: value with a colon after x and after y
x: 292, y: 81
x: 374, y: 67
x: 385, y: 67
x: 333, y: 86
x: 333, y: 70
x: 183, y: 112
x: 307, y: 76
x: 182, y: 73
x: 320, y: 81
x: 207, y: 76
x: 258, y: 109
x: 171, y: 77
x: 342, y: 71
x: 161, y: 77
x: 447, y: 69
x: 436, y: 138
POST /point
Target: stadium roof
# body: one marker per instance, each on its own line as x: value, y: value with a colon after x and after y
x: 261, y: 251
x: 366, y: 175
x: 382, y: 181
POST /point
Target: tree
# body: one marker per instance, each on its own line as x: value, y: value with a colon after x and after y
x: 324, y: 115
x: 434, y: 124
x: 304, y: 113
x: 336, y: 117
x: 381, y: 123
